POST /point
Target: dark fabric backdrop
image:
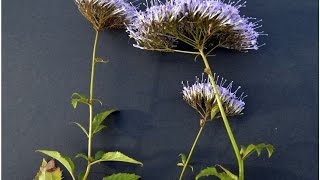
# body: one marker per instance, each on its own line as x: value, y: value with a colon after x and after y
x: 47, y: 48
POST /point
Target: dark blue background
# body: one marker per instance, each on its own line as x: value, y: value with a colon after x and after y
x: 47, y: 48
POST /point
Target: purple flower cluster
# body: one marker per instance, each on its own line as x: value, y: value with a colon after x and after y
x: 198, y: 23
x: 201, y: 97
x: 105, y: 14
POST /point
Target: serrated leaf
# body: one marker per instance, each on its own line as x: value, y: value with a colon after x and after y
x: 81, y: 127
x: 228, y: 173
x: 83, y: 156
x: 209, y: 171
x: 122, y: 176
x: 247, y: 151
x: 214, y: 112
x: 99, y: 118
x: 65, y: 161
x: 76, y: 98
x: 117, y: 156
x: 48, y: 171
x: 99, y: 128
x: 212, y: 171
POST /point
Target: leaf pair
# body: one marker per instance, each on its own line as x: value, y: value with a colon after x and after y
x: 97, y: 122
x: 212, y: 171
x: 247, y: 151
x: 99, y: 157
x: 183, y: 161
x: 77, y: 97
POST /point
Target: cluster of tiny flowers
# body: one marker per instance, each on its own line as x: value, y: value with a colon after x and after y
x: 201, y: 97
x: 194, y: 22
x: 106, y: 14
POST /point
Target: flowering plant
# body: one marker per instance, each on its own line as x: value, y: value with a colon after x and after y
x: 102, y: 14
x: 203, y: 25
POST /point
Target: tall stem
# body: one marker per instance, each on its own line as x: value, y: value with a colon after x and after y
x: 91, y: 105
x: 191, y: 151
x: 224, y: 117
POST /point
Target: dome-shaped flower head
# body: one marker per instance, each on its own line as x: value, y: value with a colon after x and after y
x: 201, y: 24
x: 201, y: 97
x: 105, y: 14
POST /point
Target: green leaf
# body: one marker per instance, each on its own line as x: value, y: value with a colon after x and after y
x: 247, y: 151
x: 99, y: 128
x: 212, y: 171
x: 99, y: 118
x: 183, y: 161
x: 48, y: 171
x: 98, y: 155
x: 182, y: 165
x: 81, y: 127
x: 229, y: 174
x: 214, y: 112
x: 65, y: 161
x: 122, y: 176
x: 209, y: 171
x: 117, y: 156
x: 76, y: 97
x: 183, y: 158
x: 81, y: 155
x: 270, y: 150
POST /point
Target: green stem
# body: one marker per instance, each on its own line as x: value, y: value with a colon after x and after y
x: 186, y: 52
x: 191, y: 151
x: 175, y: 50
x: 241, y: 170
x: 87, y: 172
x: 91, y: 105
x: 224, y: 117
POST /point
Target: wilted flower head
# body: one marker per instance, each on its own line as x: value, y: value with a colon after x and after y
x: 201, y: 97
x: 104, y: 14
x: 198, y: 23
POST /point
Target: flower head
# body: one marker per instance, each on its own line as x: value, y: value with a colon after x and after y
x: 104, y: 14
x: 198, y: 23
x: 201, y: 97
